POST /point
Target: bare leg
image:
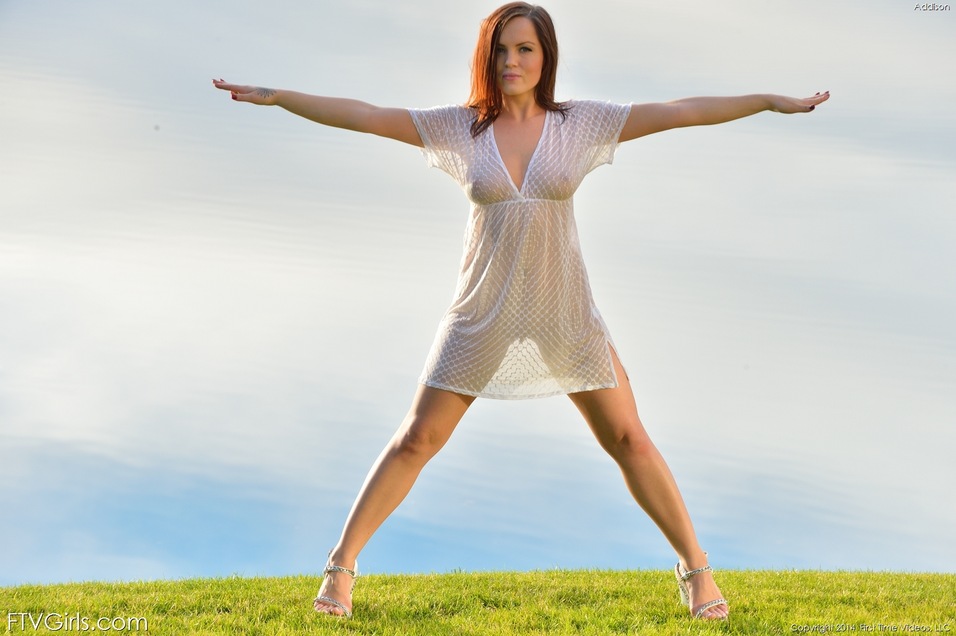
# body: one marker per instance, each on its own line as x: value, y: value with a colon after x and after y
x: 612, y: 416
x: 432, y: 418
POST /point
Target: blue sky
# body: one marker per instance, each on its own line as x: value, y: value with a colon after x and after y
x: 212, y: 315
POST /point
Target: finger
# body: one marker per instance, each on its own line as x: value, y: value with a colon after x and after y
x: 235, y: 88
x: 810, y: 103
x: 246, y: 96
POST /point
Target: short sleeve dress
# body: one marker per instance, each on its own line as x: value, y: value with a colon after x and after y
x: 523, y: 323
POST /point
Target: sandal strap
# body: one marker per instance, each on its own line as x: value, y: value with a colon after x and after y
x: 334, y: 603
x: 706, y: 606
x: 332, y: 569
x: 335, y: 569
x: 693, y: 573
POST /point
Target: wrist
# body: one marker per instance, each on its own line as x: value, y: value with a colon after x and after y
x: 269, y: 96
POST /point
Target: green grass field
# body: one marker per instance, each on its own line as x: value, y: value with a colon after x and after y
x: 542, y: 602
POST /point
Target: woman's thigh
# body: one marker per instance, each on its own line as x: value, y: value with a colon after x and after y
x: 612, y: 413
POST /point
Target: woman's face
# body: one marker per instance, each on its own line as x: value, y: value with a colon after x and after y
x: 518, y: 58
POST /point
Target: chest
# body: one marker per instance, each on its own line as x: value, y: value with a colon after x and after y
x: 511, y: 164
x: 517, y: 142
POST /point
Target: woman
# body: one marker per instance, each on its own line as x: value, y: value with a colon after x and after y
x: 523, y: 323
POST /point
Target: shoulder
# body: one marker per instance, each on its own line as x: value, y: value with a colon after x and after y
x: 593, y: 108
x: 450, y: 113
x: 445, y: 127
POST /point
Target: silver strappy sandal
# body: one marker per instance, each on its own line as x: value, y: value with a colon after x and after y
x: 333, y: 569
x: 685, y: 595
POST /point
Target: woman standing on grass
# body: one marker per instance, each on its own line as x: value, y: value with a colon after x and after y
x: 523, y: 323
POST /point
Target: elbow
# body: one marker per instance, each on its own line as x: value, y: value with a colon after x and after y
x: 685, y: 115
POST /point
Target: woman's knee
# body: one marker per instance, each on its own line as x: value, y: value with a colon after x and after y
x: 430, y: 421
x: 421, y: 436
x: 628, y: 442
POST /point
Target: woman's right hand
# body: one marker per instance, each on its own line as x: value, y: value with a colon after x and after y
x: 351, y: 114
x: 252, y: 94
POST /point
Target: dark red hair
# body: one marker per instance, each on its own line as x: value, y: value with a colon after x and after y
x: 485, y: 95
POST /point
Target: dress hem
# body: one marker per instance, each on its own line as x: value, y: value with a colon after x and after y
x: 502, y: 396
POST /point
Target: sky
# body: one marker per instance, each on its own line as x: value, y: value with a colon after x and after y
x: 213, y: 315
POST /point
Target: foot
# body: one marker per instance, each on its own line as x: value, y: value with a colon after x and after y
x: 335, y: 595
x: 701, y: 589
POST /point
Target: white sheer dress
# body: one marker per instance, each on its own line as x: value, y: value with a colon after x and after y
x: 523, y: 323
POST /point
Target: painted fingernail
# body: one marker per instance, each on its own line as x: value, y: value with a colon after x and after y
x: 812, y: 107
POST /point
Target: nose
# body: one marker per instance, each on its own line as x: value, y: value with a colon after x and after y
x: 510, y: 58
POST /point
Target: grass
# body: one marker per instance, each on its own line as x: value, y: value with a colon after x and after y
x: 542, y: 602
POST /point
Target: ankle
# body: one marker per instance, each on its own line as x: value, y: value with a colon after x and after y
x: 693, y: 560
x: 343, y: 559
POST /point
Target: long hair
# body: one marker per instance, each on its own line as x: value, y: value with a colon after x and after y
x: 485, y: 95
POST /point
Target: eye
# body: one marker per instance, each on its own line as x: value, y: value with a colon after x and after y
x: 525, y: 49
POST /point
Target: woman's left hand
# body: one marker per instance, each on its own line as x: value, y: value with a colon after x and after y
x: 790, y: 105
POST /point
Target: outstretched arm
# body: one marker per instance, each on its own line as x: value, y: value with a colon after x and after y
x: 395, y: 123
x: 646, y: 119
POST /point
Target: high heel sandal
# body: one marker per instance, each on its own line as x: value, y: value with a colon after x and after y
x: 685, y: 595
x: 333, y: 569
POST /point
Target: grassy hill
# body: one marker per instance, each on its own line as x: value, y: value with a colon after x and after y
x: 541, y: 602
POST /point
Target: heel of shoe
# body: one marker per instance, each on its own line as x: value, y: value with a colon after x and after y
x: 681, y: 588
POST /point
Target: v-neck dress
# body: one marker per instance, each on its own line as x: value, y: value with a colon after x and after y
x: 523, y: 322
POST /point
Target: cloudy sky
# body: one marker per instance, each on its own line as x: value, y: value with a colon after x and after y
x: 213, y: 315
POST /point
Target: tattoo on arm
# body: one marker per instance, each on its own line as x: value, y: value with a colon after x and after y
x: 265, y: 92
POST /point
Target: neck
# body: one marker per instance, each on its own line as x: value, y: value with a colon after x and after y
x: 520, y: 107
